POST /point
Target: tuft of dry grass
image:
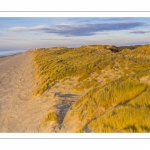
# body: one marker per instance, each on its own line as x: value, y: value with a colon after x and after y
x: 51, y: 116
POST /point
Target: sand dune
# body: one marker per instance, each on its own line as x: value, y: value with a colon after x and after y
x: 67, y: 107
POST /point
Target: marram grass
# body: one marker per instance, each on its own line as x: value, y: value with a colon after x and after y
x: 120, y: 105
x: 99, y: 100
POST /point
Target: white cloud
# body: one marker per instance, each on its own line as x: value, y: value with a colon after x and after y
x: 23, y: 28
x: 18, y: 29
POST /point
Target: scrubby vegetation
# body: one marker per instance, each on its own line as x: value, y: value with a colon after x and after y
x: 118, y: 80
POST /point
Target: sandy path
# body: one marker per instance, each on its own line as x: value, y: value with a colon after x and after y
x: 19, y: 110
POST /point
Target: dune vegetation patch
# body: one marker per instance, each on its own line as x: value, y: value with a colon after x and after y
x: 54, y: 65
x: 112, y: 84
x: 123, y: 119
x: 100, y: 100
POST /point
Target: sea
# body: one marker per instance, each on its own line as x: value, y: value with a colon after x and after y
x: 10, y: 52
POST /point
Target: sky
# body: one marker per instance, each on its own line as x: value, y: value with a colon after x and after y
x: 29, y: 33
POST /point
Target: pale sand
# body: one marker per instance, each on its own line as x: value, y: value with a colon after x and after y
x: 19, y: 110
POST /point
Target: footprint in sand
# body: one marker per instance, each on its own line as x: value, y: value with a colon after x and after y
x: 23, y: 97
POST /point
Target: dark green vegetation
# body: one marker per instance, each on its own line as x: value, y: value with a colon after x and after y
x: 121, y: 103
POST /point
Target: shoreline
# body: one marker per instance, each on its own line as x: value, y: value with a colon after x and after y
x: 11, y: 54
x: 4, y: 59
x: 1, y: 56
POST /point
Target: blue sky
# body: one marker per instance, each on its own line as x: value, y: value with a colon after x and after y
x: 27, y: 33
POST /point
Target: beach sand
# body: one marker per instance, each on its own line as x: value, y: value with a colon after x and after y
x: 19, y: 110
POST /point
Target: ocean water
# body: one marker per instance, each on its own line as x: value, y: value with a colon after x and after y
x: 10, y: 52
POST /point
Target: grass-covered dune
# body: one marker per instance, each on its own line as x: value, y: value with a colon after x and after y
x: 117, y: 79
x: 56, y: 64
